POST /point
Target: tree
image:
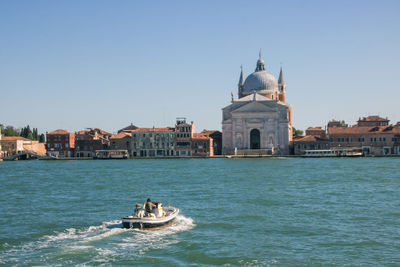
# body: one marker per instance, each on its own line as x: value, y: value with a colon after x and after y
x: 24, y: 132
x: 35, y: 134
x: 10, y: 131
x: 297, y: 132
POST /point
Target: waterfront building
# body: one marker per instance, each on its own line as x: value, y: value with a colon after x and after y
x: 87, y: 142
x: 60, y: 143
x: 373, y: 134
x: 201, y: 145
x: 122, y: 141
x: 153, y: 142
x: 315, y: 139
x: 12, y: 145
x: 179, y: 141
x: 183, y: 136
x: 260, y: 120
x: 216, y: 139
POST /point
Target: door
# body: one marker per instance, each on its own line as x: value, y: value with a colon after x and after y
x: 255, y: 139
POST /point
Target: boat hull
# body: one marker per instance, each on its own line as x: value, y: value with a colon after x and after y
x: 147, y: 223
x: 146, y: 226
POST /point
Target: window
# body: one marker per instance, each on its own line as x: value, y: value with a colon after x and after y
x: 195, y: 144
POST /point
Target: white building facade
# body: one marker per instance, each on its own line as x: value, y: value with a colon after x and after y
x: 259, y: 121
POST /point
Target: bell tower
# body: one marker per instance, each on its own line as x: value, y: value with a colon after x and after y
x: 282, y: 87
x: 241, y: 82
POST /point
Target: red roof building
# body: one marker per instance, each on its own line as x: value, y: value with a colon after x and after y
x: 122, y: 141
x: 372, y: 134
x: 60, y: 143
x: 87, y: 142
x: 202, y: 145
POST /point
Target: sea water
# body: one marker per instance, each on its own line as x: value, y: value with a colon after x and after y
x: 252, y: 212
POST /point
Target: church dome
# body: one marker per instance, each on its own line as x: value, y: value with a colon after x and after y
x: 260, y: 81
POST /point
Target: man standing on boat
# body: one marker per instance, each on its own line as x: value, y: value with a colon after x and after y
x: 149, y: 206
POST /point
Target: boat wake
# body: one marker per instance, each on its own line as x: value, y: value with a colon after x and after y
x: 100, y: 243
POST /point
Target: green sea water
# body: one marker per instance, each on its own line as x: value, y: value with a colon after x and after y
x: 234, y: 212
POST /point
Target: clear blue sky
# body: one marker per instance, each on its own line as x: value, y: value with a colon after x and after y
x: 78, y: 64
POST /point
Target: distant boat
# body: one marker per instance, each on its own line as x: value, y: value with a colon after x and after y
x: 162, y: 217
x: 319, y: 153
x: 331, y: 153
x: 112, y: 154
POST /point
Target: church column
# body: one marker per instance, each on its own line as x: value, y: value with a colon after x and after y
x: 246, y: 135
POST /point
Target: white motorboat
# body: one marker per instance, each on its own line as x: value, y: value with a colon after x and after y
x: 162, y: 217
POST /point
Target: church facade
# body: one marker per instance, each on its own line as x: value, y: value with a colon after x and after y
x: 259, y: 121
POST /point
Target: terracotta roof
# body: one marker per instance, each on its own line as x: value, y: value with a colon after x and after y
x: 363, y: 130
x: 59, y: 131
x: 13, y: 138
x: 314, y: 129
x: 89, y: 131
x: 102, y: 131
x: 373, y: 118
x: 309, y: 138
x: 295, y: 138
x: 121, y: 135
x: 141, y: 130
x: 130, y: 127
x: 200, y: 136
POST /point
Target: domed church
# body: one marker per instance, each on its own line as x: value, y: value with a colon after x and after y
x: 259, y: 122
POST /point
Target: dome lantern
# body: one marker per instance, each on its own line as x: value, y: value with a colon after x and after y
x: 260, y: 63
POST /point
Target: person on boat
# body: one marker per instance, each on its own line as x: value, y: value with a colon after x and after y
x: 139, y: 211
x: 149, y: 206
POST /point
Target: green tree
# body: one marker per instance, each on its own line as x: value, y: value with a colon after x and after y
x: 10, y: 131
x: 297, y: 132
x: 23, y: 132
x: 35, y: 134
x: 41, y: 138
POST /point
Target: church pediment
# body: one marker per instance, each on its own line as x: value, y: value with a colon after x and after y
x: 253, y: 106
